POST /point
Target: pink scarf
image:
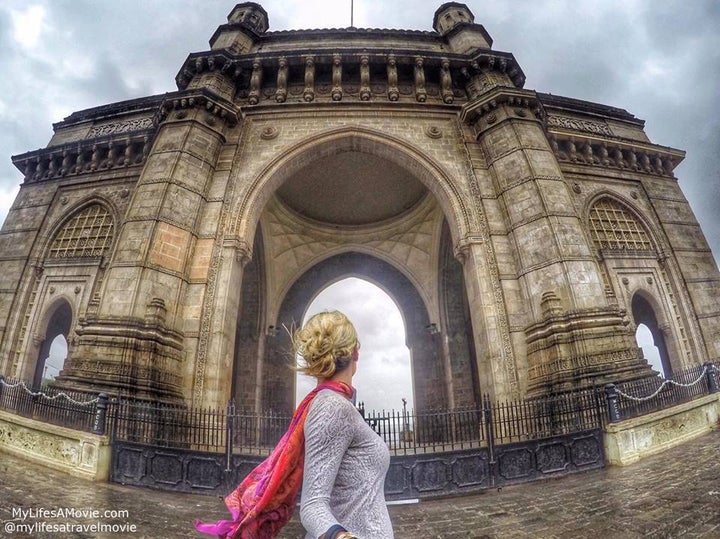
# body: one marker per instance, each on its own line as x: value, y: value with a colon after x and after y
x: 265, y: 500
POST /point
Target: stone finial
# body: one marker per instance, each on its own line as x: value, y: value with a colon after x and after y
x: 550, y: 305
x: 155, y: 312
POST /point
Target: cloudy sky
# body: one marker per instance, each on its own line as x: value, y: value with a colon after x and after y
x: 658, y: 59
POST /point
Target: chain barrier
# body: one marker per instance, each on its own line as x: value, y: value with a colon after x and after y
x: 658, y: 390
x: 48, y: 397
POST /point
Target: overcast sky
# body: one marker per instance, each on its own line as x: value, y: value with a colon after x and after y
x: 658, y: 59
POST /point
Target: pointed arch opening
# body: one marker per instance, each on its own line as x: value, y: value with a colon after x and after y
x: 277, y: 378
x: 649, y: 336
x: 53, y: 349
x: 384, y: 377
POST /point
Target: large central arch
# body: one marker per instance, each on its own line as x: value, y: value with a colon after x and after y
x: 278, y: 380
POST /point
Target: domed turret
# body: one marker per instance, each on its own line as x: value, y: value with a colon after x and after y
x: 456, y: 23
x: 245, y: 22
x: 251, y: 15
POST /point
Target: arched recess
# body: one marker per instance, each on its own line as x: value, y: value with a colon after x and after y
x: 449, y: 194
x: 59, y: 322
x: 456, y: 330
x: 277, y: 377
x: 643, y: 313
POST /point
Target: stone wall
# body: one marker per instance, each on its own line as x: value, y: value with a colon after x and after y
x: 78, y: 453
x: 630, y: 440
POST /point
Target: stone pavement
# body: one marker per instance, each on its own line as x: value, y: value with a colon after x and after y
x: 673, y: 494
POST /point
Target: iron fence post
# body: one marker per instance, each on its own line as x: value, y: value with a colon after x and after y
x: 2, y: 384
x: 711, y: 373
x: 612, y: 403
x: 100, y: 413
x: 489, y: 427
x: 229, y: 417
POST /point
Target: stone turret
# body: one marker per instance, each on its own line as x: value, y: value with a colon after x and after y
x: 246, y: 22
x: 456, y: 23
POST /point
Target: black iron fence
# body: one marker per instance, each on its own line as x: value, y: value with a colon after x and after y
x: 641, y: 397
x: 74, y: 410
x: 236, y: 431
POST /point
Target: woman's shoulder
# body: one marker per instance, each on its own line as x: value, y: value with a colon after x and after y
x: 330, y: 403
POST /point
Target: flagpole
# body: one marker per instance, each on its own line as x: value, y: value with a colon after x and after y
x: 352, y: 9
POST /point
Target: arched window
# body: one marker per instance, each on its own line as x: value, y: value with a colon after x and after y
x: 88, y: 233
x: 614, y: 227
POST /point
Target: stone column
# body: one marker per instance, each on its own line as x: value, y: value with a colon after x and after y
x: 134, y: 344
x: 582, y: 339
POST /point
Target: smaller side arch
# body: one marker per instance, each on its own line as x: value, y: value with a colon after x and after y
x: 644, y: 311
x: 57, y: 320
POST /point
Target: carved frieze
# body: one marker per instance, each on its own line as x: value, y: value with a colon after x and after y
x: 127, y: 126
x: 575, y: 124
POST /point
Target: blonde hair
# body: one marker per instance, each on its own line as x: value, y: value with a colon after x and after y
x: 325, y: 344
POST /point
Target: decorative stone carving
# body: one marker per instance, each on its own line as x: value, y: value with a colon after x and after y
x: 575, y: 124
x: 128, y: 126
x: 282, y: 75
x: 255, y: 83
x: 365, y: 78
x: 393, y: 92
x: 420, y: 91
x: 433, y: 132
x: 309, y: 92
x: 446, y: 90
x: 337, y: 91
x: 269, y: 133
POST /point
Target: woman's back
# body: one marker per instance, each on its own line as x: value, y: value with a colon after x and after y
x: 344, y: 474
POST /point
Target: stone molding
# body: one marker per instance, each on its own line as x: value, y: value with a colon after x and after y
x: 633, y: 439
x: 77, y: 453
x: 291, y: 76
x: 614, y: 153
x: 86, y: 156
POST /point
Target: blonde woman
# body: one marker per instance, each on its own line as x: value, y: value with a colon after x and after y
x: 345, y: 460
x: 328, y: 449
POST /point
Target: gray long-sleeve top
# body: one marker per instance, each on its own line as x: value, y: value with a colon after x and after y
x: 344, y: 474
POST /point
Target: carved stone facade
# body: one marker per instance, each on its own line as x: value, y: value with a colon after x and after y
x: 523, y: 235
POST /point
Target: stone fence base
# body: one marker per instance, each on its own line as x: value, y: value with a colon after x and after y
x: 632, y: 439
x: 75, y: 452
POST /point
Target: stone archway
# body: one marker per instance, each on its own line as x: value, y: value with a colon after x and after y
x: 643, y: 313
x: 278, y: 379
x: 59, y: 323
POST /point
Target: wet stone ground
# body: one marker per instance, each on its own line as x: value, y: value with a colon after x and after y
x: 673, y: 494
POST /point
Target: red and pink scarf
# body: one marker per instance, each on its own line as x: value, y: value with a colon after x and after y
x: 265, y: 500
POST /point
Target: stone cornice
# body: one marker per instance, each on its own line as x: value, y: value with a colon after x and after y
x: 106, y: 152
x: 252, y: 73
x: 584, y: 148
